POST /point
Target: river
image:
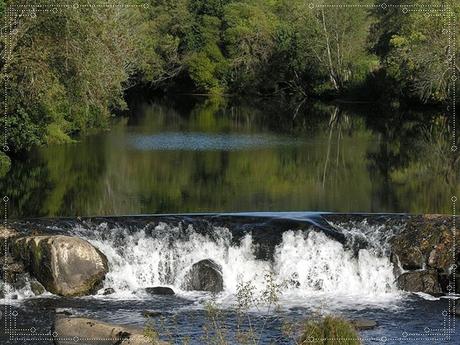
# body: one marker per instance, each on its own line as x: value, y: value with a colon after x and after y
x: 219, y: 155
x: 249, y: 184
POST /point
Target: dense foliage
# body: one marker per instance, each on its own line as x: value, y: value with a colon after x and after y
x: 67, y: 67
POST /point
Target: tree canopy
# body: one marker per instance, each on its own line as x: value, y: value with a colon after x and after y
x: 67, y: 67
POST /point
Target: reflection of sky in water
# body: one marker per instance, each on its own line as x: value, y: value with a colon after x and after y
x: 208, y: 141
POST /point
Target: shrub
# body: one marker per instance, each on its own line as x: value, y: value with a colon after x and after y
x: 329, y: 330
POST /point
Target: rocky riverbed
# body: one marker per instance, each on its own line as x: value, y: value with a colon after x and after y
x: 47, y: 258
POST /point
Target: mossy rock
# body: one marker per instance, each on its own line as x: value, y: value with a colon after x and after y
x: 426, y: 241
x: 66, y: 266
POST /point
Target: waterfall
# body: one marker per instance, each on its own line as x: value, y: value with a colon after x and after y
x: 305, y: 263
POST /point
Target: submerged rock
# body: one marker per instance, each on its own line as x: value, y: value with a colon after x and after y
x: 66, y: 266
x: 205, y: 275
x: 420, y: 281
x: 160, y: 290
x: 150, y: 314
x: 364, y: 324
x: 83, y: 331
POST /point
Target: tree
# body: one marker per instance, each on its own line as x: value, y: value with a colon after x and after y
x: 68, y: 69
x: 416, y: 47
x: 325, y: 44
x: 249, y: 37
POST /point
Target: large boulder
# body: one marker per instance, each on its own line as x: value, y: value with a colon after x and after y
x: 205, y: 275
x: 420, y: 281
x: 83, y: 331
x: 66, y: 266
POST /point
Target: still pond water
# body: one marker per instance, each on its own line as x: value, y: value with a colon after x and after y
x: 221, y: 155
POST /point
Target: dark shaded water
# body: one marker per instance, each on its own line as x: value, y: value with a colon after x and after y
x: 180, y: 319
x: 220, y: 155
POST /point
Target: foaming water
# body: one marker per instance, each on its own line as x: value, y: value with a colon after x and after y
x: 306, y: 265
x: 321, y: 264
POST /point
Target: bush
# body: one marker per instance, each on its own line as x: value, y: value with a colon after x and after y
x: 329, y: 330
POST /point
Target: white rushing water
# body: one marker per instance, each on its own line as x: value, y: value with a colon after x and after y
x: 306, y: 265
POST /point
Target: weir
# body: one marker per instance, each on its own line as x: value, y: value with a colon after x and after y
x: 307, y: 254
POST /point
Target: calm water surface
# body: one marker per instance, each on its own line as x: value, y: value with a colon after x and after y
x: 221, y: 155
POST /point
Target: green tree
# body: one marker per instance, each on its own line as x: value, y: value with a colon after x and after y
x: 249, y: 36
x: 418, y: 47
x: 67, y: 69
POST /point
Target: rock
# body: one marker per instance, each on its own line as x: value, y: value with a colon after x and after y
x: 426, y: 241
x: 6, y: 236
x: 20, y: 281
x: 410, y: 258
x: 66, y: 266
x: 37, y: 288
x: 420, y: 281
x: 70, y: 331
x: 11, y: 269
x: 160, y: 290
x: 205, y: 275
x: 6, y: 232
x: 149, y: 314
x: 63, y: 311
x: 108, y: 291
x: 364, y: 324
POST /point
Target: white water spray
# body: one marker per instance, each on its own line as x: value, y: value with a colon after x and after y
x: 311, y: 263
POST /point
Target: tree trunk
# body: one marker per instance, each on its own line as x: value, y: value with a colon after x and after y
x: 332, y: 73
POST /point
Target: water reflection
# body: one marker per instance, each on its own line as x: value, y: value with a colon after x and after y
x: 226, y: 155
x: 206, y: 142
